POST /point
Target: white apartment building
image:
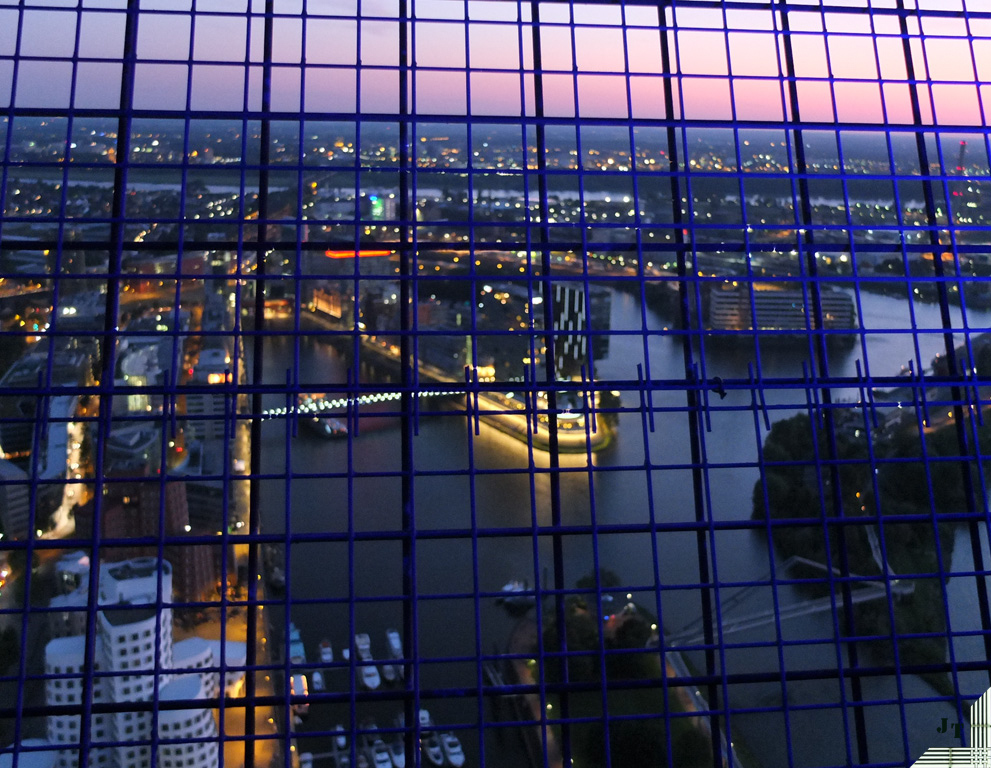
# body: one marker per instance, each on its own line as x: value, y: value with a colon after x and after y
x: 65, y: 667
x: 188, y: 737
x: 32, y: 753
x: 195, y: 653
x: 133, y: 662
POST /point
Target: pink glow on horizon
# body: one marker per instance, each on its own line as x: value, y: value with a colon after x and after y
x: 850, y: 71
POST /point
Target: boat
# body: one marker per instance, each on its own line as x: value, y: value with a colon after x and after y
x: 325, y: 426
x: 370, y: 677
x: 374, y: 747
x: 297, y: 653
x: 298, y: 687
x: 326, y: 652
x: 378, y: 752
x: 340, y: 737
x: 429, y: 742
x: 397, y: 751
x: 277, y: 579
x: 452, y: 749
x: 515, y: 595
x: 432, y: 748
x: 318, y: 684
x: 310, y: 408
x: 389, y: 673
x: 396, y: 650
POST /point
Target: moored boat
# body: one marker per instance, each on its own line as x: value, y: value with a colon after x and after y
x: 374, y: 747
x: 277, y: 579
x: 452, y: 749
x: 429, y: 741
x: 379, y: 754
x: 397, y: 752
x: 297, y: 653
x: 389, y: 673
x: 515, y: 595
x: 370, y: 677
x: 396, y: 650
x: 432, y: 748
x: 313, y: 417
x: 326, y: 652
x: 325, y: 426
x: 298, y: 687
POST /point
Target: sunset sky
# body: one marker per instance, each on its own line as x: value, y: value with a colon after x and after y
x: 850, y: 67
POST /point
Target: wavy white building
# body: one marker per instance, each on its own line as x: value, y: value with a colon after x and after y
x: 31, y: 753
x: 187, y: 737
x: 196, y: 653
x: 65, y: 667
x: 134, y: 660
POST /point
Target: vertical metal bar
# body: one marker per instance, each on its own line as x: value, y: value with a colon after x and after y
x: 806, y: 243
x: 407, y: 295
x: 257, y: 374
x: 553, y: 469
x: 693, y: 410
x: 953, y: 373
x: 108, y: 360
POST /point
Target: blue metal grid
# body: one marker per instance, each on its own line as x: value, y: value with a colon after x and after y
x: 779, y: 516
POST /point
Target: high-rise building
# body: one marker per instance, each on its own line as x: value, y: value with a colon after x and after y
x: 15, y: 501
x: 131, y: 523
x: 66, y: 668
x: 134, y: 636
x: 187, y: 737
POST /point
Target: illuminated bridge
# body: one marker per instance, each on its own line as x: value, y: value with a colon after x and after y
x: 343, y: 403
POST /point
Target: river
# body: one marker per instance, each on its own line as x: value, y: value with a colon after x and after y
x: 466, y: 482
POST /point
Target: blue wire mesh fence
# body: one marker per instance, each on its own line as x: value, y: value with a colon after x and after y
x: 492, y: 383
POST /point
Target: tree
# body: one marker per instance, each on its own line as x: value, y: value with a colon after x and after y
x: 607, y: 580
x: 692, y: 749
x: 10, y: 650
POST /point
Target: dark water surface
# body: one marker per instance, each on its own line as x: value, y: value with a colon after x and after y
x: 466, y: 482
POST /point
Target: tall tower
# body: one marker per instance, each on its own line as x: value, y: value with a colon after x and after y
x: 570, y: 339
x: 135, y: 635
x: 15, y: 502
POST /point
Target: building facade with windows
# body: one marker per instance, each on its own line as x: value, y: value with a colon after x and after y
x: 133, y: 661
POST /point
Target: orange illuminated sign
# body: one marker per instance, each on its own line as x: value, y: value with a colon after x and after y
x: 352, y: 254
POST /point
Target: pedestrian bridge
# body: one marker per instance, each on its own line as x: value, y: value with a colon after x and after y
x: 328, y: 406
